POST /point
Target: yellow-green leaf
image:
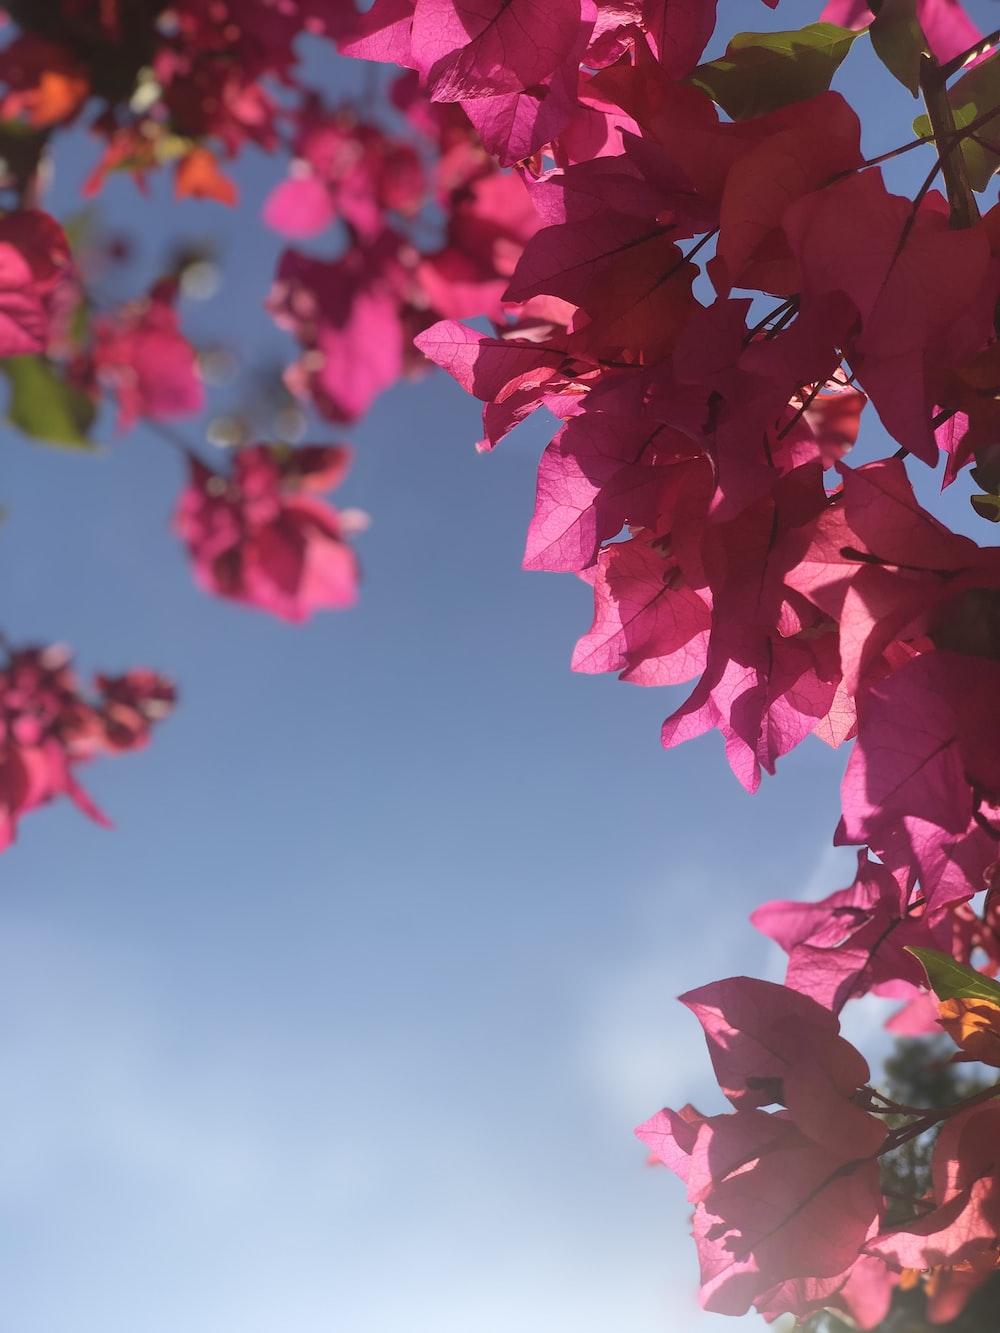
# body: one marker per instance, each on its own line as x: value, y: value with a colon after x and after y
x: 898, y: 41
x: 44, y: 405
x: 951, y: 980
x: 762, y: 71
x: 972, y: 98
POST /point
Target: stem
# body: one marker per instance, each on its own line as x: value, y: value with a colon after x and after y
x: 787, y: 307
x: 964, y: 211
x: 910, y: 223
x: 927, y: 1205
x: 931, y: 1118
x: 895, y: 152
x: 807, y: 402
x: 709, y: 235
x: 890, y: 1107
x: 784, y: 318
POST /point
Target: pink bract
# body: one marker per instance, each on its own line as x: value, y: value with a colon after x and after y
x: 260, y: 538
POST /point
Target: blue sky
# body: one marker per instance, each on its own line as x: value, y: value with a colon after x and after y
x: 346, y: 1026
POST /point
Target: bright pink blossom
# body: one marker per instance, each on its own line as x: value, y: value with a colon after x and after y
x: 34, y: 261
x: 260, y: 537
x: 886, y: 570
x: 348, y: 315
x: 772, y: 1045
x: 856, y: 940
x: 142, y: 357
x: 862, y: 1292
x: 490, y: 220
x: 344, y: 168
x: 771, y: 1205
x: 48, y: 728
x: 965, y: 1223
x: 919, y: 287
x: 465, y: 50
x: 928, y: 746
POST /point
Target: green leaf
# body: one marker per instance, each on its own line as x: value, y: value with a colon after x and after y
x: 762, y: 71
x: 974, y: 95
x: 45, y: 406
x: 955, y: 981
x: 899, y: 42
x: 17, y: 129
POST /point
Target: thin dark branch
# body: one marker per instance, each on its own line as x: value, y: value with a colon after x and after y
x: 961, y: 201
x: 896, y: 152
x: 962, y: 59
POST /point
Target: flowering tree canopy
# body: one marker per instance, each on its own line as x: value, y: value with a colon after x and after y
x: 693, y: 265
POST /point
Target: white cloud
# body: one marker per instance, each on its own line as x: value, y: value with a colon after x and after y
x: 181, y: 1195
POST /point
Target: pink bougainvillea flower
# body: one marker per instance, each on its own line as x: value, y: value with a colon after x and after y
x: 489, y: 223
x: 856, y: 940
x: 601, y: 473
x: 678, y: 33
x: 131, y: 705
x: 513, y: 375
x: 764, y: 689
x: 212, y: 66
x: 921, y: 292
x: 300, y: 207
x: 348, y: 314
x: 965, y: 1223
x: 647, y: 624
x: 468, y: 50
x: 774, y: 1206
x: 863, y: 1292
x: 382, y: 33
x: 34, y: 261
x: 928, y: 747
x: 887, y: 571
x: 771, y: 1045
x: 765, y: 181
x: 512, y: 64
x: 141, y: 355
x: 613, y: 269
x: 345, y: 168
x: 771, y: 1205
x: 260, y: 537
x: 48, y: 728
x: 780, y: 1197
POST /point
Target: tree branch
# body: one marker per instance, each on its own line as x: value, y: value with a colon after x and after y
x: 964, y: 211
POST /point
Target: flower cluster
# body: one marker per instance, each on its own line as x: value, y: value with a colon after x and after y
x: 355, y: 316
x: 178, y: 84
x: 729, y: 286
x: 696, y: 269
x: 261, y: 537
x: 48, y: 728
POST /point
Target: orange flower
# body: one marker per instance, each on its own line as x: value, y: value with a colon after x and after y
x: 973, y: 1025
x: 199, y: 177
